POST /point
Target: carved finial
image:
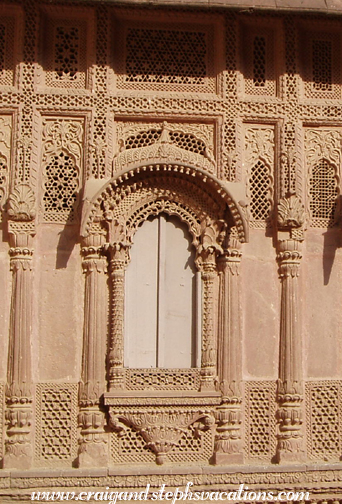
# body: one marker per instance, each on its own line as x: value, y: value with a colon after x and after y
x: 291, y: 212
x: 21, y: 203
x: 165, y: 136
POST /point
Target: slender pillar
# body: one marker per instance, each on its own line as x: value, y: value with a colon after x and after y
x: 93, y: 444
x: 118, y: 248
x: 228, y: 444
x: 206, y: 262
x: 18, y: 413
x: 290, y: 383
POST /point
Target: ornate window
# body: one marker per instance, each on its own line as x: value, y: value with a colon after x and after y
x: 321, y: 63
x: 323, y: 157
x: 10, y: 44
x: 62, y: 168
x: 260, y: 192
x: 258, y: 61
x: 66, y: 49
x: 167, y: 56
x: 259, y: 162
x: 323, y: 193
x: 161, y: 312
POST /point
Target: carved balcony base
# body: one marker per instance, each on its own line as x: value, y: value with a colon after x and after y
x: 290, y: 451
x: 161, y: 418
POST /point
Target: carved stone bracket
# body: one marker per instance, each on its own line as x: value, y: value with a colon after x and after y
x: 161, y: 429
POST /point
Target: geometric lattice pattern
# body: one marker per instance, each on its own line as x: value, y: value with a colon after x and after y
x: 66, y: 52
x: 183, y: 140
x: 175, y: 379
x: 323, y: 193
x: 61, y: 188
x: 324, y: 419
x: 166, y: 56
x: 2, y: 46
x: 322, y: 64
x: 260, y: 419
x: 56, y: 422
x: 259, y: 61
x: 259, y: 72
x: 259, y: 190
x: 130, y: 448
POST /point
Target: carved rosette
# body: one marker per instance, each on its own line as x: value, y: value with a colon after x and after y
x: 290, y: 393
x: 91, y: 420
x: 228, y: 444
x: 18, y: 415
x: 161, y: 430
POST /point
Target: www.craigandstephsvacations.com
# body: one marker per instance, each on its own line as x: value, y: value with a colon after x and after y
x: 242, y: 494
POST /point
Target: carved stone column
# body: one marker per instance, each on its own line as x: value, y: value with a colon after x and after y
x: 228, y: 444
x: 207, y: 254
x: 290, y: 383
x: 93, y: 444
x: 18, y: 414
x: 118, y: 248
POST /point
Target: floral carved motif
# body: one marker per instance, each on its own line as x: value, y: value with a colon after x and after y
x: 290, y: 212
x: 21, y: 203
x: 161, y: 430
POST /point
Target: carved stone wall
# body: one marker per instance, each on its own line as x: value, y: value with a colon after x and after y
x: 230, y: 122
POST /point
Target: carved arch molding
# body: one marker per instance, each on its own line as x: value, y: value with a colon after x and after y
x: 112, y: 212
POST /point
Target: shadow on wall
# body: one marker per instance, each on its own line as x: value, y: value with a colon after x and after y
x: 68, y: 238
x: 332, y: 241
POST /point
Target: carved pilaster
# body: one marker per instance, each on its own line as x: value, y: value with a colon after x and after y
x: 228, y: 444
x: 93, y: 447
x: 118, y: 248
x: 18, y: 415
x: 207, y: 253
x: 290, y: 384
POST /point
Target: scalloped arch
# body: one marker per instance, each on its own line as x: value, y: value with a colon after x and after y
x: 190, y: 188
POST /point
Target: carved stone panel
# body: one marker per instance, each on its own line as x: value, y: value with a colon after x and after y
x: 324, y: 419
x: 5, y: 156
x: 56, y: 424
x: 260, y: 408
x: 62, y: 159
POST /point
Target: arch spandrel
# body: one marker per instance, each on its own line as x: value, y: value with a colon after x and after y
x: 184, y: 190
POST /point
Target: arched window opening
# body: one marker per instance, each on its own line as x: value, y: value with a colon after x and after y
x: 161, y: 307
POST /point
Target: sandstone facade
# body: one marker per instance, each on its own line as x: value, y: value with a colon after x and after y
x: 171, y: 248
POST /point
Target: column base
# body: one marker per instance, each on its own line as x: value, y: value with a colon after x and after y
x: 19, y: 458
x: 227, y: 458
x: 284, y: 457
x: 92, y: 455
